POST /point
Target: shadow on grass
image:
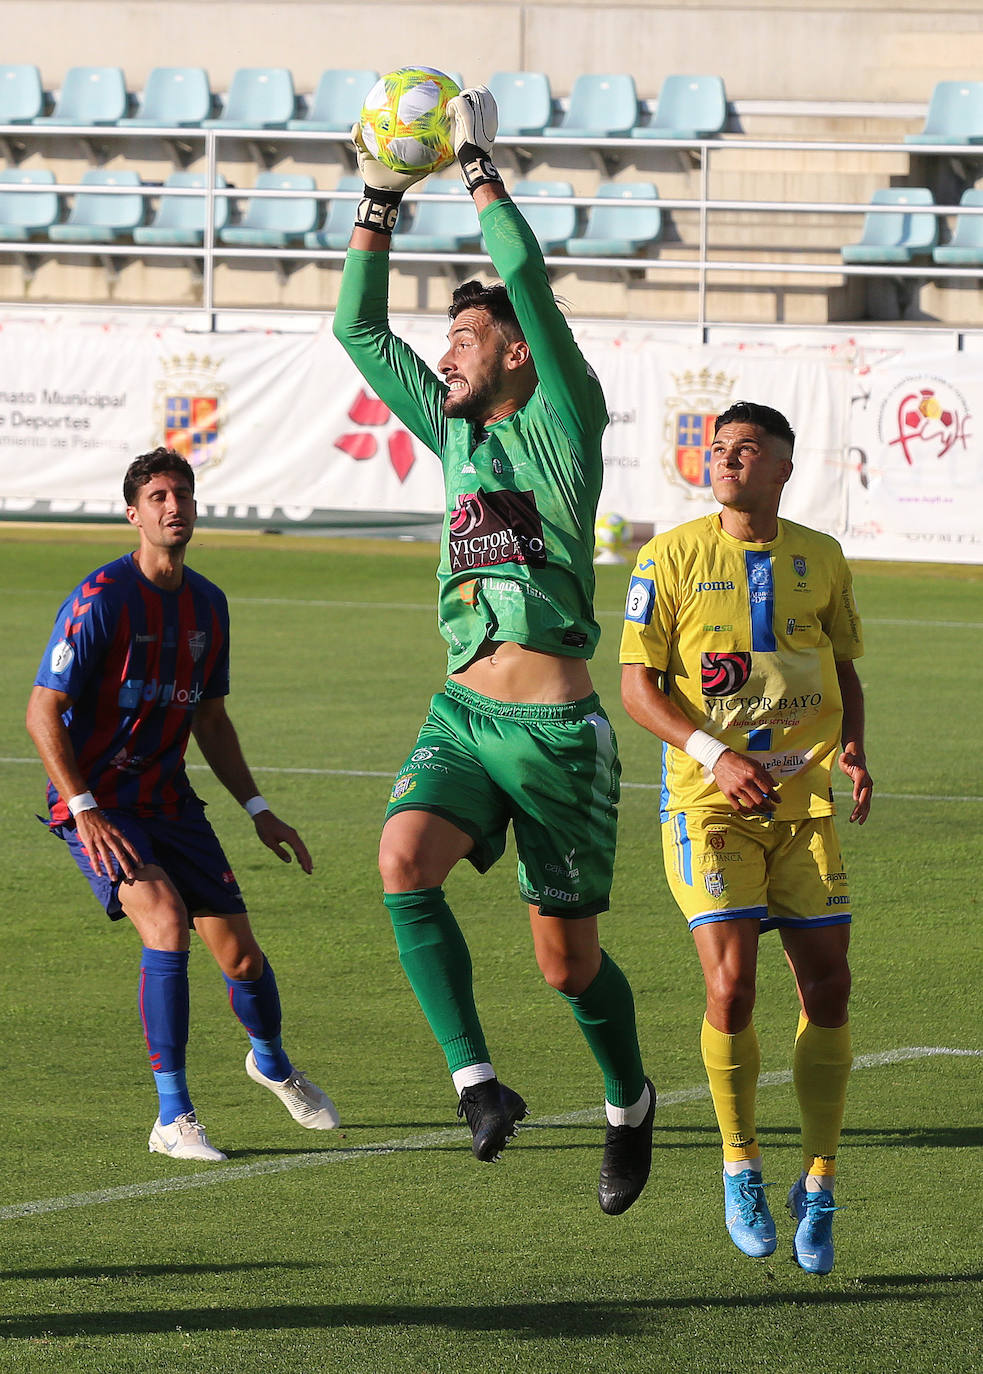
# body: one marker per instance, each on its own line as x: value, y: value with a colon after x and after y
x: 142, y: 1271
x: 527, y: 1320
x: 665, y: 1137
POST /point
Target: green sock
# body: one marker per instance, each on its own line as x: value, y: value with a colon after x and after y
x: 605, y: 1013
x: 435, y: 959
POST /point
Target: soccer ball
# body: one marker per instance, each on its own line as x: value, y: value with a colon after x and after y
x: 611, y: 534
x: 404, y: 120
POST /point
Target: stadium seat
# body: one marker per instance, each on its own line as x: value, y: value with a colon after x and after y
x: 21, y: 94
x: 688, y: 107
x: 99, y: 218
x: 274, y: 221
x: 600, y: 107
x: 890, y: 238
x: 259, y: 98
x: 438, y: 226
x: 623, y: 227
x: 23, y: 213
x: 955, y: 114
x: 337, y: 102
x: 525, y: 102
x: 552, y: 224
x: 173, y: 97
x: 965, y: 248
x: 338, y: 222
x: 180, y: 220
x: 89, y: 95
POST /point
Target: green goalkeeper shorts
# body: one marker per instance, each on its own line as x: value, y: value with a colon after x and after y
x: 553, y: 771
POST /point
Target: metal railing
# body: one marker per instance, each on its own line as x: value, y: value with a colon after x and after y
x: 700, y: 264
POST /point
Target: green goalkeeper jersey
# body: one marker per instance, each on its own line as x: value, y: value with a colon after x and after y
x: 517, y: 544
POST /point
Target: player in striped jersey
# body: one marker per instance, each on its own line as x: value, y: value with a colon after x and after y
x: 137, y: 661
x: 738, y: 646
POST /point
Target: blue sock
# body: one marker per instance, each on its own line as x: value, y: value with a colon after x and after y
x: 165, y: 1013
x: 256, y: 1002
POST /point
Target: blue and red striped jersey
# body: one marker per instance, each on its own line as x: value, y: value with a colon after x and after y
x: 135, y: 661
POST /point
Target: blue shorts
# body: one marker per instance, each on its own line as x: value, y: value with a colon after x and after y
x: 185, y: 847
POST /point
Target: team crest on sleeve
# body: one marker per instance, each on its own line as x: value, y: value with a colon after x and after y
x: 62, y: 657
x: 641, y: 599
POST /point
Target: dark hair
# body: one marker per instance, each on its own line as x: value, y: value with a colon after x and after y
x: 148, y: 465
x: 751, y: 413
x: 473, y: 295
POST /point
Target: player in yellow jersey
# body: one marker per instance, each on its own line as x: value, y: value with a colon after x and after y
x: 738, y: 647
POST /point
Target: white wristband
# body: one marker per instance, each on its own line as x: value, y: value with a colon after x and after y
x: 704, y: 748
x: 255, y: 805
x: 84, y: 801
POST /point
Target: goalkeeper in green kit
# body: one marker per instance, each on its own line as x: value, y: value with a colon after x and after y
x: 517, y: 734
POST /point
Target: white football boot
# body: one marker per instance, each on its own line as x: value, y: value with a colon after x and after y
x: 304, y: 1100
x: 184, y: 1138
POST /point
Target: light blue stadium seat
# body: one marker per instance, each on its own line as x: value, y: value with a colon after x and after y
x: 259, y: 98
x: 25, y: 213
x: 688, y: 107
x: 338, y: 222
x: 525, y: 101
x: 965, y: 249
x: 439, y: 226
x: 173, y: 97
x: 21, y: 94
x: 98, y: 218
x: 625, y: 225
x: 552, y: 224
x: 180, y: 220
x: 337, y: 102
x: 955, y: 114
x: 89, y: 95
x: 896, y: 237
x: 600, y: 107
x: 273, y: 221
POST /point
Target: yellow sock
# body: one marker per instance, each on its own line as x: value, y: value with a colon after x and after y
x: 732, y: 1063
x: 821, y: 1067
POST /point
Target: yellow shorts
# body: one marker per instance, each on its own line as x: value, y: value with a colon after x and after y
x: 784, y: 873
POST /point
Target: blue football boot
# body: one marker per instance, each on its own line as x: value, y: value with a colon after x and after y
x: 813, y: 1243
x: 749, y: 1222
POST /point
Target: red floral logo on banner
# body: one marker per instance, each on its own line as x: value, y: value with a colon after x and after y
x: 370, y: 414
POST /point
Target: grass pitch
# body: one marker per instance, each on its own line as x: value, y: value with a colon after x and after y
x: 384, y: 1247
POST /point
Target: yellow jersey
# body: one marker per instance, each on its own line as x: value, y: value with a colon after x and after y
x: 747, y: 637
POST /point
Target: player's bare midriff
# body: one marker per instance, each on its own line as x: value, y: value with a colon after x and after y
x: 511, y: 672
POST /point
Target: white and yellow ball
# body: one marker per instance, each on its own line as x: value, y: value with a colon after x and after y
x: 611, y: 533
x: 405, y: 122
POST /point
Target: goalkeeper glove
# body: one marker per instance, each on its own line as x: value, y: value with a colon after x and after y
x: 475, y: 124
x: 383, y: 188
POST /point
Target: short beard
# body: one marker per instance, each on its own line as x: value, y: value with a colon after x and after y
x: 477, y: 402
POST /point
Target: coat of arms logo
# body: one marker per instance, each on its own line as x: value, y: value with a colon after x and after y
x: 190, y: 409
x: 689, y: 426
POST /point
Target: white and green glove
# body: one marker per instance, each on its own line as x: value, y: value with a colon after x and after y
x: 474, y: 117
x: 383, y: 188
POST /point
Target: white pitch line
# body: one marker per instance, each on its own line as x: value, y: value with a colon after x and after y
x: 446, y: 1136
x: 325, y: 604
x: 636, y: 786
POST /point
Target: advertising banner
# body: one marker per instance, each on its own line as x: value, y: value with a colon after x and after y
x: 282, y: 431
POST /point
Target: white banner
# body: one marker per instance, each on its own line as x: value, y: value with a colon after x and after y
x: 914, y: 459
x: 281, y: 429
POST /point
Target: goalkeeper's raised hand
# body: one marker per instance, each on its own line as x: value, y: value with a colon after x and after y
x: 474, y: 116
x: 384, y: 188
